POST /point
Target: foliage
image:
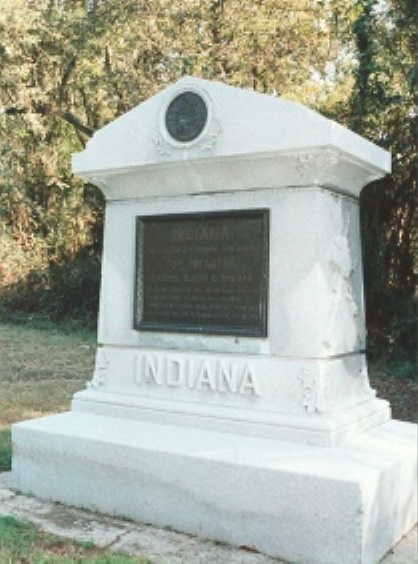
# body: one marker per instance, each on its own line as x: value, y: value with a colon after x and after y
x: 65, y: 71
x: 384, y: 109
x: 68, y: 68
x: 381, y: 40
x: 5, y: 450
x: 64, y: 290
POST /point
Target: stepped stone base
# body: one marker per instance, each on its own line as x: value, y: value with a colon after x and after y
x: 348, y: 503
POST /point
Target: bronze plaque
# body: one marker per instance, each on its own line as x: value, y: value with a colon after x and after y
x: 203, y: 273
x: 186, y: 117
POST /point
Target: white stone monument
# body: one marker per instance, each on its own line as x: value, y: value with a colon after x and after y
x: 230, y: 397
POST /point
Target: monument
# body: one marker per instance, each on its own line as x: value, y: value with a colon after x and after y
x: 230, y: 397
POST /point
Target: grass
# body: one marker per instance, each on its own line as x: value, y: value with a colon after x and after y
x: 5, y: 450
x: 24, y: 543
x: 41, y: 366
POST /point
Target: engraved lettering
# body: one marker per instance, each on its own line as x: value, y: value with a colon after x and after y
x: 248, y: 382
x: 227, y: 378
x: 190, y: 375
x: 205, y: 378
x: 203, y: 273
x: 151, y: 371
x: 211, y: 233
x: 175, y: 371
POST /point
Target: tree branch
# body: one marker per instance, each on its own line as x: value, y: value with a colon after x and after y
x: 77, y: 124
x: 66, y: 77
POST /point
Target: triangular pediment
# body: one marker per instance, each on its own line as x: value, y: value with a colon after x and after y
x: 199, y: 121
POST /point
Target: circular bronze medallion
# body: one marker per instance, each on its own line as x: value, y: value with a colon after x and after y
x: 186, y: 117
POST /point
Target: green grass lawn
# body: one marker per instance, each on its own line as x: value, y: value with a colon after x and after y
x: 23, y: 543
x: 5, y: 450
x: 41, y: 366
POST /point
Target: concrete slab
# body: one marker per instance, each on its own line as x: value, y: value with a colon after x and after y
x: 158, y: 545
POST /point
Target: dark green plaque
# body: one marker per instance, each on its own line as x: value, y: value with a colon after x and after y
x: 203, y: 273
x: 186, y: 117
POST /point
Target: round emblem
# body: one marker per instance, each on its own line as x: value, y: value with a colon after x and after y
x: 186, y: 117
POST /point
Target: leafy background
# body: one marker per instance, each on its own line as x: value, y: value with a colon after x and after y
x: 69, y: 67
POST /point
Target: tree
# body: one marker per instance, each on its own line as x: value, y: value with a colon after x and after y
x: 383, y: 108
x: 386, y: 96
x: 68, y: 68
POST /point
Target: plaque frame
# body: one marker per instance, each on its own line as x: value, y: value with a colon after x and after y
x: 258, y: 329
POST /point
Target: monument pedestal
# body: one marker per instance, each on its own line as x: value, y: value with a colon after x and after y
x: 230, y: 397
x: 349, y: 503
